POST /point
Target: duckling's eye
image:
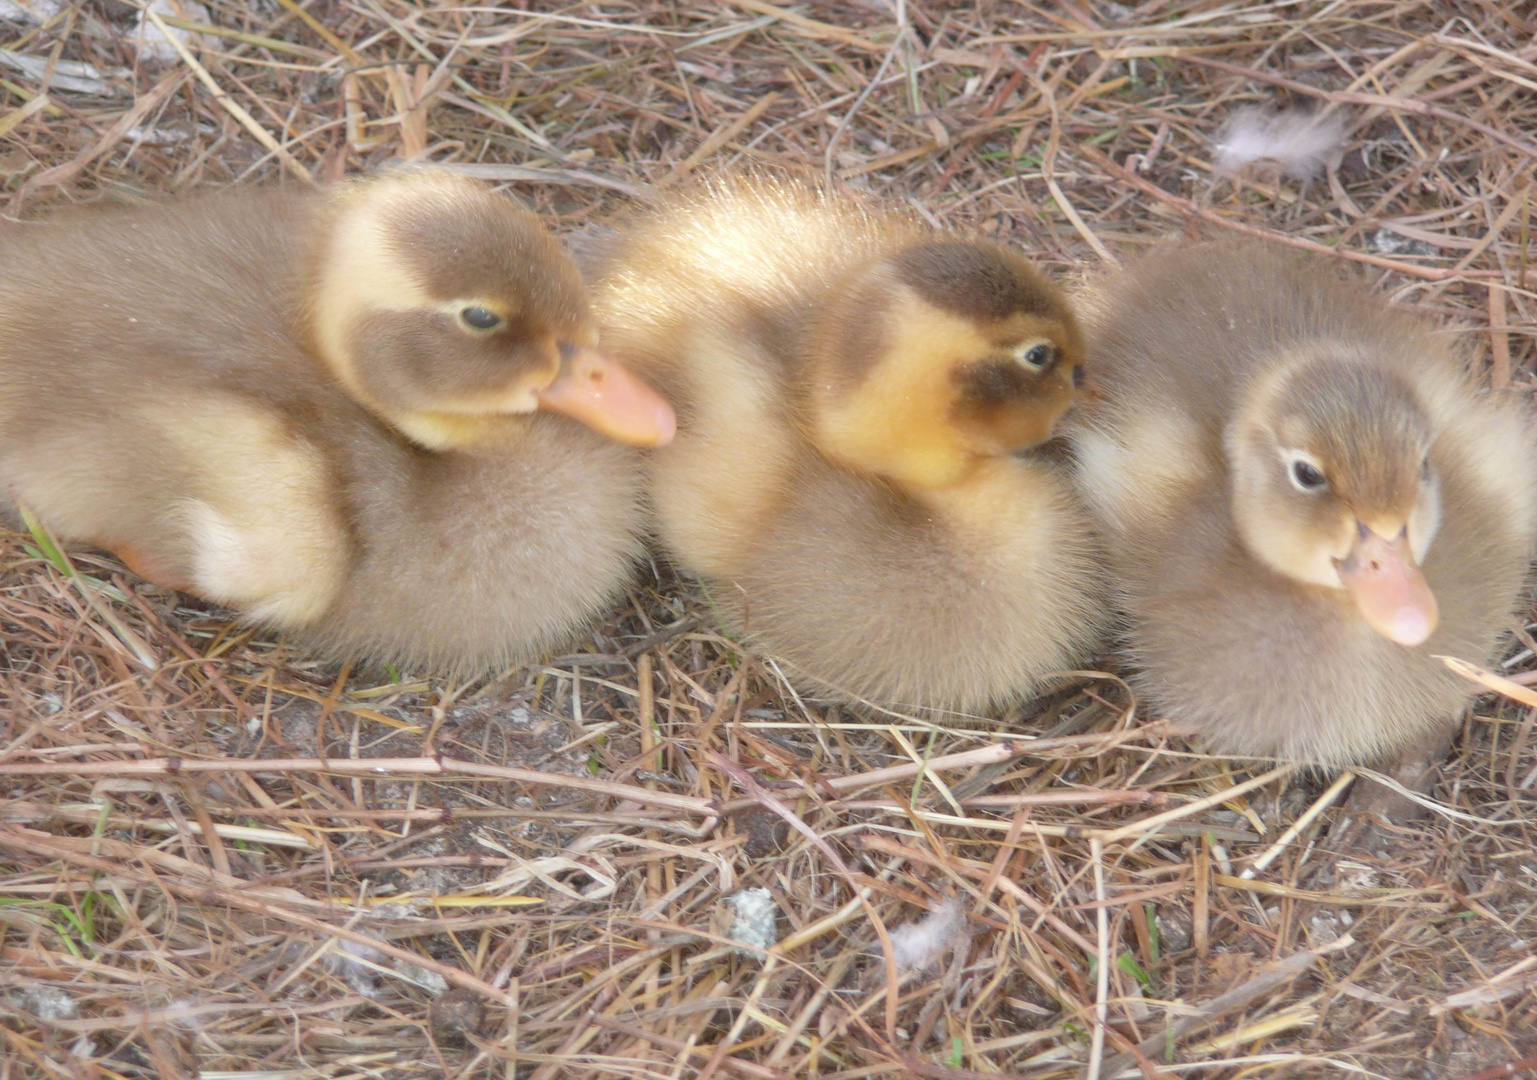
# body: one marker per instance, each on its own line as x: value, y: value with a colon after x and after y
x: 1037, y: 356
x: 479, y: 318
x: 1307, y: 476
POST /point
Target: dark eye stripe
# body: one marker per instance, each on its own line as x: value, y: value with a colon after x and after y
x: 993, y: 381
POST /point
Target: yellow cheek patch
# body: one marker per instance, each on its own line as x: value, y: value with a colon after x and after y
x: 448, y: 431
x: 901, y: 420
x: 358, y: 273
x: 895, y: 422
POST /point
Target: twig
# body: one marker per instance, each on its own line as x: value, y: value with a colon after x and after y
x: 1322, y: 803
x: 1346, y: 97
x: 528, y: 174
x: 381, y: 767
x: 1499, y: 339
x: 722, y: 137
x: 1102, y: 969
x: 1268, y: 979
x: 744, y: 778
x: 809, y: 27
x: 1490, y: 681
x: 142, y: 106
x: 1426, y: 272
x: 1497, y: 987
x: 230, y: 105
x: 1006, y: 750
x: 880, y: 73
x: 1147, y: 825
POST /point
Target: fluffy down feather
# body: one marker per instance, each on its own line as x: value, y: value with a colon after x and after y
x: 1295, y: 143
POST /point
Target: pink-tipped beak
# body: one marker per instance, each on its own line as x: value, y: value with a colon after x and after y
x: 1388, y: 589
x: 602, y: 394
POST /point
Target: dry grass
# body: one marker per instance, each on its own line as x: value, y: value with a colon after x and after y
x: 197, y: 876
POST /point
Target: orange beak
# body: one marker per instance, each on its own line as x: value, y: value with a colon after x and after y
x: 1388, y: 588
x: 602, y: 394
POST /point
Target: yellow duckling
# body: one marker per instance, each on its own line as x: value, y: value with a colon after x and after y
x: 333, y: 411
x: 1306, y: 502
x: 852, y: 388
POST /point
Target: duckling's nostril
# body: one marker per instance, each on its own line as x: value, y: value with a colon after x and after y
x: 1078, y: 376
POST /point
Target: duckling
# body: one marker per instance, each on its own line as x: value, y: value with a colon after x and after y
x: 1305, y: 500
x: 852, y: 388
x: 338, y: 412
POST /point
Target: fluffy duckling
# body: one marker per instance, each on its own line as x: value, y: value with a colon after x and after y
x: 852, y: 388
x: 335, y: 411
x: 1306, y: 502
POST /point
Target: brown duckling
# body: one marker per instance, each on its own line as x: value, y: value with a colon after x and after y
x: 1305, y: 499
x: 852, y: 388
x: 335, y: 411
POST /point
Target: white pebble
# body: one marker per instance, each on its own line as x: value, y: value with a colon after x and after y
x: 150, y: 41
x: 757, y: 919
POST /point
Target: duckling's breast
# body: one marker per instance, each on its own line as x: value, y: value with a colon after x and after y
x: 960, y: 604
x: 489, y: 556
x: 1271, y: 667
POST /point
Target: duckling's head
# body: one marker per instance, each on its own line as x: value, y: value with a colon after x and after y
x: 935, y: 358
x: 440, y: 306
x: 1335, y: 485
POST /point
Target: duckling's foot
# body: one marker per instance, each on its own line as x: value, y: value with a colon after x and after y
x: 149, y: 567
x: 1375, y: 811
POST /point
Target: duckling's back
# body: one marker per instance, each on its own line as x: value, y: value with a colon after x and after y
x: 151, y: 354
x: 154, y: 298
x: 711, y: 298
x: 747, y: 261
x: 109, y: 314
x: 1179, y: 338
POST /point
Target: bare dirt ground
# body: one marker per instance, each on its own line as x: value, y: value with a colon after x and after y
x: 219, y: 857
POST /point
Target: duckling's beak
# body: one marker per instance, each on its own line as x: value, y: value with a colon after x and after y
x: 602, y: 394
x: 1388, y: 589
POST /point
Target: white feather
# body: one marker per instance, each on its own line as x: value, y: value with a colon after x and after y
x: 1295, y: 143
x: 917, y: 945
x: 35, y: 12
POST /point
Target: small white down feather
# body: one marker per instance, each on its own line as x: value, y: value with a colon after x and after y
x: 919, y: 944
x: 1295, y: 143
